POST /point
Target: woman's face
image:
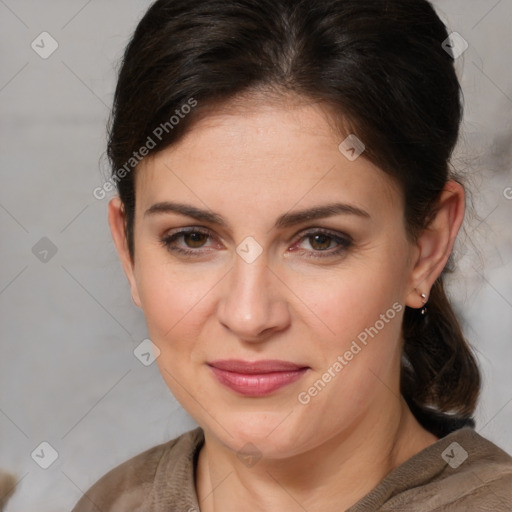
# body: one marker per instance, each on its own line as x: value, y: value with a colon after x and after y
x: 245, y: 273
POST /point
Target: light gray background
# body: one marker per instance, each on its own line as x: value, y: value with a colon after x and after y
x: 68, y: 328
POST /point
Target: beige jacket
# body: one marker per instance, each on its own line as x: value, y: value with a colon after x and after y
x: 461, y: 472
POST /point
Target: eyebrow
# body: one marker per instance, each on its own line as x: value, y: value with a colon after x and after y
x: 283, y: 221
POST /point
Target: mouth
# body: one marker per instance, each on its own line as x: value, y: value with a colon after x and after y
x: 256, y: 378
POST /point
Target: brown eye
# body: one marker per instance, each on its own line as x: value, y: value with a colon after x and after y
x: 194, y: 239
x: 190, y: 242
x: 320, y: 242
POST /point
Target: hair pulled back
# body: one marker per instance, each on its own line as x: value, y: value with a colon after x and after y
x: 378, y: 64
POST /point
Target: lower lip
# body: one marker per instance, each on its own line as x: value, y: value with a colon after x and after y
x: 258, y: 384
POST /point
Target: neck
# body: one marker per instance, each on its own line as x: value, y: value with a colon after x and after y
x: 331, y: 477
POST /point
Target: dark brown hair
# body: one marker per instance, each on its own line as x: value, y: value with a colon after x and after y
x: 379, y: 65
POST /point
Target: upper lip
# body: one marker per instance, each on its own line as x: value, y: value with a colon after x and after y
x: 255, y: 367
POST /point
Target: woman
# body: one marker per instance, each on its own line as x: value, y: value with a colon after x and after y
x: 285, y: 216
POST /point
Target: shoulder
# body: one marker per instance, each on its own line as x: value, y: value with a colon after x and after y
x: 133, y: 484
x: 479, y: 472
x: 460, y: 472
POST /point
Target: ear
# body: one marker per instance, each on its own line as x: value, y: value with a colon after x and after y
x: 117, y: 222
x: 435, y: 244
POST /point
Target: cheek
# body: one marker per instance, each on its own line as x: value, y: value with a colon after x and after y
x: 353, y: 299
x: 176, y: 308
x: 352, y: 365
x: 358, y: 341
x: 175, y: 303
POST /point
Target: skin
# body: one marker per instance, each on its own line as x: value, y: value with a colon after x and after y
x: 250, y: 165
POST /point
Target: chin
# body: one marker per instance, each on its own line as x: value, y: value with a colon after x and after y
x: 263, y: 433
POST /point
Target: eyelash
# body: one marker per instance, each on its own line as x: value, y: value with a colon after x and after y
x: 344, y: 242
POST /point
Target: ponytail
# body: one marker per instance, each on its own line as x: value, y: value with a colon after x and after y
x: 439, y: 371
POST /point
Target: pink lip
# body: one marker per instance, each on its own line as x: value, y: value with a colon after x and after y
x: 256, y: 378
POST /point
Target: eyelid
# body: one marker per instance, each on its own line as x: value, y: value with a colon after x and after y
x: 302, y: 234
x: 325, y: 231
x: 187, y: 229
x: 177, y: 233
x: 343, y: 240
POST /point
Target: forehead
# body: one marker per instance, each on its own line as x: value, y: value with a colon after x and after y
x: 280, y: 153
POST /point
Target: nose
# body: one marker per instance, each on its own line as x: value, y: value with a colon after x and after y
x: 254, y: 305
